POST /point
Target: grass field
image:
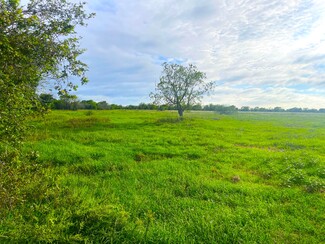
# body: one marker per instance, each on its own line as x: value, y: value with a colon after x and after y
x: 145, y: 176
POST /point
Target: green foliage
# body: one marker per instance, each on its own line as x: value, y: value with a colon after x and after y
x: 15, y: 110
x: 103, y: 105
x: 38, y: 42
x: 46, y: 100
x: 34, y: 46
x: 222, y: 109
x: 88, y: 104
x: 10, y: 182
x: 180, y: 86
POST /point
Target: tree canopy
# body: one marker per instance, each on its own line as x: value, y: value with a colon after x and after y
x: 38, y: 42
x: 182, y: 86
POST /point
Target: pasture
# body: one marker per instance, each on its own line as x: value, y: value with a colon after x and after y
x: 146, y: 177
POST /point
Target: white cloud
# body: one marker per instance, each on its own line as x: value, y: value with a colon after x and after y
x: 268, y: 97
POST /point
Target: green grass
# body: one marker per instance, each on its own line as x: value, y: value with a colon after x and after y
x: 145, y: 176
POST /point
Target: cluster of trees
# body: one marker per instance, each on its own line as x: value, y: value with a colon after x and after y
x: 279, y: 109
x: 71, y: 102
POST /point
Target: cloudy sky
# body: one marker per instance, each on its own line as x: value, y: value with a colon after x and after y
x: 263, y: 53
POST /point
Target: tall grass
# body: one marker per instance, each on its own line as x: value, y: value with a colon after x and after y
x: 146, y: 177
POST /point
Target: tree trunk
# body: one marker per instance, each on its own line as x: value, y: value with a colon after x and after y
x: 180, y: 112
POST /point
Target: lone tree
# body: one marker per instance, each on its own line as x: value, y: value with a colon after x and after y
x: 37, y: 42
x: 181, y: 86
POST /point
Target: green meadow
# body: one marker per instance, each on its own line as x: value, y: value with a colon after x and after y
x: 146, y: 177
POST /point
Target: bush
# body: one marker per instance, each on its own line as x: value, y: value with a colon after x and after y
x: 35, y: 208
x: 16, y: 178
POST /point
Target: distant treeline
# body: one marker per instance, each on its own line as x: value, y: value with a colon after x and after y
x: 71, y: 102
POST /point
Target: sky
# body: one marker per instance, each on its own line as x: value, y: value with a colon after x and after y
x: 263, y: 53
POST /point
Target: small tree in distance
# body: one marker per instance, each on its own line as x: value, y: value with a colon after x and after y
x: 181, y: 86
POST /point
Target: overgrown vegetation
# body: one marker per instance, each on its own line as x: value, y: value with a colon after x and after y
x: 145, y: 176
x: 38, y: 42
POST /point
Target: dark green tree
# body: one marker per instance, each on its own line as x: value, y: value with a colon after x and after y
x: 244, y: 108
x: 38, y: 42
x: 46, y: 99
x: 88, y: 104
x: 103, y: 105
x: 69, y: 101
x: 181, y: 86
x: 278, y: 109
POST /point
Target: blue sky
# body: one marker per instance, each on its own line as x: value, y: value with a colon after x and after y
x: 263, y: 53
